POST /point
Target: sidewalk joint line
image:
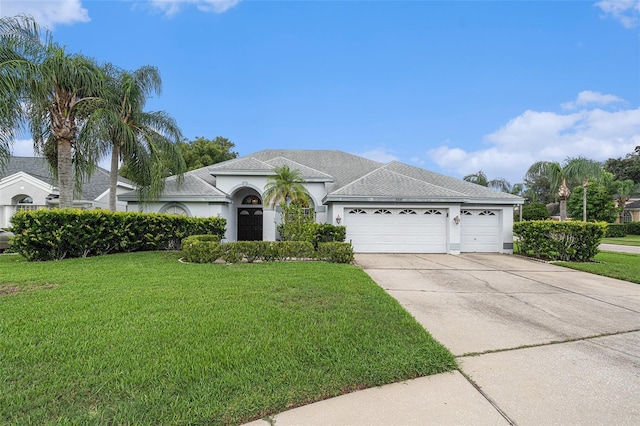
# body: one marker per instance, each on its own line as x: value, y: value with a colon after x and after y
x: 488, y: 398
x: 554, y: 342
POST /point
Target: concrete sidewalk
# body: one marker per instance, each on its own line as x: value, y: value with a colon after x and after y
x: 620, y: 248
x: 537, y: 343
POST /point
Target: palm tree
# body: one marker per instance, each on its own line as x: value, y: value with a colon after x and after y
x: 480, y: 178
x: 51, y: 92
x: 144, y: 141
x: 574, y: 170
x: 285, y: 186
x: 622, y: 190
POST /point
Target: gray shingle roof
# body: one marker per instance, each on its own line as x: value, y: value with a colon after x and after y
x: 307, y: 173
x: 38, y: 168
x: 384, y: 183
x: 349, y: 177
x: 632, y: 205
x: 467, y: 188
x: 343, y: 167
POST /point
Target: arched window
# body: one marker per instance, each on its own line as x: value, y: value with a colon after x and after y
x: 251, y: 199
x: 25, y: 200
x: 174, y: 208
x: 626, y: 216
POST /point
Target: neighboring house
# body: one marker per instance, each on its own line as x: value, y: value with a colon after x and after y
x: 390, y: 207
x: 26, y: 183
x: 631, y: 212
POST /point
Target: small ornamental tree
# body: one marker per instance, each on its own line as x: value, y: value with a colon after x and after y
x: 600, y: 204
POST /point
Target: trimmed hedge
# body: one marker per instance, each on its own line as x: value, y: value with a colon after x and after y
x: 66, y: 233
x: 633, y: 228
x: 201, y: 250
x: 567, y: 241
x: 617, y: 230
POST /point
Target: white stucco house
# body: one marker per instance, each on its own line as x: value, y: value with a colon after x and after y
x: 26, y: 183
x: 386, y: 208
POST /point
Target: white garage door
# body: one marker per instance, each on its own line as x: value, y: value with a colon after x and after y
x: 480, y: 231
x: 397, y: 230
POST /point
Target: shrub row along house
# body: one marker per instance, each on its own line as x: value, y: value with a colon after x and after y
x: 390, y: 207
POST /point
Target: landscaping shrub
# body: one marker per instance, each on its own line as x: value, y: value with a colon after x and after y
x: 633, y: 228
x: 66, y: 233
x: 617, y: 230
x: 335, y: 252
x: 326, y: 233
x: 198, y: 250
x: 535, y: 211
x: 568, y: 241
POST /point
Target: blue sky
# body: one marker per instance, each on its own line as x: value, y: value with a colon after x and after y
x: 455, y: 87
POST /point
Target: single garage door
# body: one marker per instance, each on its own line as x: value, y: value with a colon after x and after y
x: 479, y: 231
x: 397, y: 230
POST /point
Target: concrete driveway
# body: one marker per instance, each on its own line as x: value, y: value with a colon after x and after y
x: 537, y: 344
x: 543, y: 344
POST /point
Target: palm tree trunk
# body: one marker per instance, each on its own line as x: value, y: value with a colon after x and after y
x: 563, y: 194
x: 113, y: 177
x: 65, y: 173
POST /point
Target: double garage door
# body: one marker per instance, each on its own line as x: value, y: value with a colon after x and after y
x: 410, y: 230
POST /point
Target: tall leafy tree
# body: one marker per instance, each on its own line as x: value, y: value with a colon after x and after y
x: 145, y: 142
x: 202, y: 152
x: 625, y: 168
x: 52, y: 92
x: 573, y: 171
x: 285, y: 186
x: 600, y: 205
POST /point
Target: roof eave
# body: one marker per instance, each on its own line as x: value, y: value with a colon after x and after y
x: 182, y: 198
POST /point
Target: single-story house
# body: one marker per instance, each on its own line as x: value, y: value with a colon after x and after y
x: 26, y: 183
x: 392, y: 207
x: 631, y: 211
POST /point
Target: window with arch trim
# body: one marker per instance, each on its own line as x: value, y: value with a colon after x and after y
x: 175, y: 209
x: 626, y: 216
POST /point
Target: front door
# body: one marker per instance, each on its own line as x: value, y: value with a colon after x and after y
x: 249, y: 224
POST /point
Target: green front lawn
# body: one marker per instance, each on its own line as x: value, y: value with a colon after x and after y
x: 623, y: 266
x: 142, y: 339
x: 629, y: 240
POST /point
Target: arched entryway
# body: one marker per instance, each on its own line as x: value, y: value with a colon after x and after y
x: 250, y: 218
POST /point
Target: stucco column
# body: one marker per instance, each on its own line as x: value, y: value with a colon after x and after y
x: 453, y: 229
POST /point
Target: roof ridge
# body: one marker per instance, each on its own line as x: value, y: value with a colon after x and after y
x: 299, y: 164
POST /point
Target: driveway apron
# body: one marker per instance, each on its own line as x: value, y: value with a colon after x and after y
x: 541, y: 343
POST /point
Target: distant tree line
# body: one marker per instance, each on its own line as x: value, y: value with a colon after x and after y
x: 583, y: 188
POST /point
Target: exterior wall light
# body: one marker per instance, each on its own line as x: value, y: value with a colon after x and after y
x: 338, y: 219
x: 456, y: 220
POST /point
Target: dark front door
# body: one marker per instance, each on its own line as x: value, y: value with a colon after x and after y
x: 249, y: 224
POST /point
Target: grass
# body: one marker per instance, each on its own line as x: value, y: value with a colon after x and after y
x: 142, y: 339
x: 629, y: 240
x: 623, y: 266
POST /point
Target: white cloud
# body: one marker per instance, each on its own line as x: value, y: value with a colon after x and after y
x: 545, y: 136
x: 47, y: 13
x: 625, y: 11
x: 172, y: 7
x: 382, y: 155
x: 22, y: 148
x: 588, y: 97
